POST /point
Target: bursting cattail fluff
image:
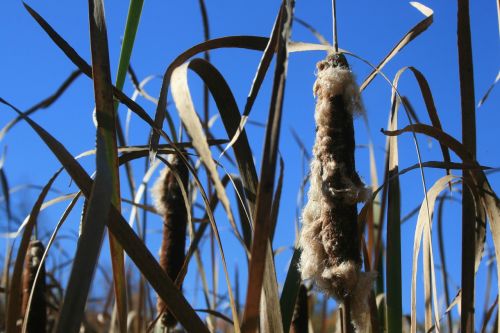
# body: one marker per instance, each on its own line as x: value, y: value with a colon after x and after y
x: 169, y: 202
x: 37, y: 313
x: 330, y: 240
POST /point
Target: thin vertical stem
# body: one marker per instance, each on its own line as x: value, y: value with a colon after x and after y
x: 469, y: 140
x: 334, y: 26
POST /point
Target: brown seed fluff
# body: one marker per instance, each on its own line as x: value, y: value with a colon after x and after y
x: 37, y: 316
x: 330, y: 240
x: 169, y: 202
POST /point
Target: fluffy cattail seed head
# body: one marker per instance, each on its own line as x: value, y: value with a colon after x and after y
x: 330, y: 240
x: 169, y: 202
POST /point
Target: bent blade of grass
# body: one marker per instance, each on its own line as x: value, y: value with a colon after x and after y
x: 44, y: 103
x: 423, y: 226
x: 248, y: 42
x: 134, y: 247
x: 87, y: 70
x: 429, y: 104
x: 315, y: 32
x: 182, y: 98
x: 14, y: 300
x: 490, y: 89
x: 231, y: 119
x: 260, y: 74
x: 407, y: 38
x: 489, y: 199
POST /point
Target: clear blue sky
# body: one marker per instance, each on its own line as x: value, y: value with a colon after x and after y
x: 32, y: 67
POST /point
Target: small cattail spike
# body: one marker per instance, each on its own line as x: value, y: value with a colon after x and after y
x: 169, y: 202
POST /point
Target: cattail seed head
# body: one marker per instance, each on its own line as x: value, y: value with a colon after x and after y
x: 37, y: 315
x: 169, y: 202
x: 330, y: 239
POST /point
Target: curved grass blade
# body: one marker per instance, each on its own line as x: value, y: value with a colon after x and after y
x: 488, y: 198
x: 429, y: 103
x: 315, y: 32
x: 262, y: 68
x: 488, y: 92
x: 182, y: 98
x: 87, y: 69
x: 134, y: 247
x: 423, y: 227
x: 248, y: 42
x: 45, y: 103
x: 231, y: 119
x: 15, y: 292
x: 407, y: 38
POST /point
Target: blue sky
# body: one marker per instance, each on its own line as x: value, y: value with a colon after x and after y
x: 32, y: 67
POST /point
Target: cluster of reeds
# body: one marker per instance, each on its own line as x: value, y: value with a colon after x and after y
x: 350, y: 242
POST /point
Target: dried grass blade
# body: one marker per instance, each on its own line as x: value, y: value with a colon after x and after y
x: 424, y: 219
x: 5, y: 190
x: 87, y: 69
x: 247, y: 42
x: 45, y: 103
x: 407, y: 38
x: 430, y: 106
x: 13, y: 310
x: 262, y: 68
x: 315, y: 32
x: 182, y: 98
x: 265, y: 189
x: 489, y: 199
x: 106, y: 191
x: 442, y: 255
x: 488, y: 314
x: 487, y: 94
x: 231, y: 117
x: 134, y: 247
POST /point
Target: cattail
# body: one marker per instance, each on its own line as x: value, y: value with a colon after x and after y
x: 37, y: 315
x: 169, y: 202
x: 330, y: 239
x: 300, y: 320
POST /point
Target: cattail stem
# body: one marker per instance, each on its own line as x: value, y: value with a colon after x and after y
x: 169, y: 201
x: 36, y: 312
